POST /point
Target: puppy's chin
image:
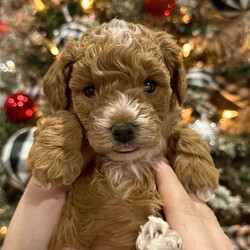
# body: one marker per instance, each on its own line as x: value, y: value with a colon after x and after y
x: 146, y: 153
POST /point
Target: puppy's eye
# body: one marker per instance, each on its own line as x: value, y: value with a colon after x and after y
x: 150, y: 86
x: 89, y: 91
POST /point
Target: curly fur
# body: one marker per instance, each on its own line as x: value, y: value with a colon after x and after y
x: 114, y: 194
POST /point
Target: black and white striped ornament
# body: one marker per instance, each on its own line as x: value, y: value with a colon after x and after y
x: 15, y: 154
x: 66, y: 31
x: 232, y: 8
x: 201, y: 78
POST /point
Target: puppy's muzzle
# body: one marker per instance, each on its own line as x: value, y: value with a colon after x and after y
x: 123, y: 132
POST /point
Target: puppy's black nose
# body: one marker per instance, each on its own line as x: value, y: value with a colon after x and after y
x: 123, y: 132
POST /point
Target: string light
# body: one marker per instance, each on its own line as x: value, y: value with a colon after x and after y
x: 183, y: 10
x: 229, y: 114
x: 199, y: 64
x: 56, y: 2
x: 87, y: 4
x: 39, y: 5
x: 54, y: 50
x: 1, y: 211
x: 39, y: 113
x: 186, y: 19
x: 226, y: 116
x: 186, y: 48
x: 175, y: 19
x: 187, y: 115
x: 8, y: 66
x: 3, y: 230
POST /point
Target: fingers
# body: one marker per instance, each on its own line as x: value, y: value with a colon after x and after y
x: 188, y: 215
x: 209, y: 219
x: 180, y: 211
x: 175, y: 196
x: 205, y: 212
x: 37, y: 215
x: 35, y: 191
x: 169, y: 187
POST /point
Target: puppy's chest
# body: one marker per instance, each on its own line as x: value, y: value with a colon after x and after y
x: 108, y: 203
x: 111, y: 187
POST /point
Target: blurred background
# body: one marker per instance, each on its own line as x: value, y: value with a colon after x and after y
x: 215, y: 39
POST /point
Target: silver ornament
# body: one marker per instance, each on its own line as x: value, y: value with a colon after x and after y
x: 15, y: 154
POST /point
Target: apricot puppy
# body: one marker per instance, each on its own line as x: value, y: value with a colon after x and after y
x: 119, y: 88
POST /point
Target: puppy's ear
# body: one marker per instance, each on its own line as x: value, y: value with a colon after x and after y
x: 172, y: 57
x: 55, y: 82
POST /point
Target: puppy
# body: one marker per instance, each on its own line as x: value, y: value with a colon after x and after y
x: 119, y: 88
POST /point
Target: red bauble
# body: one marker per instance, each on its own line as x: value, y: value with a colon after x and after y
x: 3, y: 26
x: 159, y: 8
x: 19, y: 107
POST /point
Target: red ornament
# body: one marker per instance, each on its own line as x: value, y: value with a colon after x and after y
x: 159, y: 8
x: 19, y: 107
x: 3, y: 26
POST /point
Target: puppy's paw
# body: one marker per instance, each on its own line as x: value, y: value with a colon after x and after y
x: 201, y: 182
x: 194, y: 165
x: 59, y: 167
x: 156, y: 235
x: 55, y: 157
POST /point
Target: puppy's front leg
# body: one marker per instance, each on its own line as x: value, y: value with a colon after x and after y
x: 193, y: 164
x: 55, y: 157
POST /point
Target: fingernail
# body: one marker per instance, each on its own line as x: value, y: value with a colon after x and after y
x: 162, y: 162
x: 36, y: 182
x: 161, y: 158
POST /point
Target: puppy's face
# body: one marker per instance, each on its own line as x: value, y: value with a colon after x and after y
x: 121, y: 93
x: 123, y: 119
x: 121, y: 89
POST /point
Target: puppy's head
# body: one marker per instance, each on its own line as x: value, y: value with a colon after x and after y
x: 124, y: 82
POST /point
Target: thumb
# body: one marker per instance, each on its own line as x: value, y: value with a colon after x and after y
x: 169, y: 187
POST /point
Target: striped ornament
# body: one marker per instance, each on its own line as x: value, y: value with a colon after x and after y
x: 68, y: 30
x: 232, y: 8
x: 201, y: 78
x: 15, y: 154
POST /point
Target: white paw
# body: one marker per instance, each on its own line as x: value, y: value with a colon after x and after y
x: 156, y: 235
x: 205, y: 195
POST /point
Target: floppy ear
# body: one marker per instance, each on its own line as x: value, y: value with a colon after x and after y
x: 55, y: 82
x: 172, y: 57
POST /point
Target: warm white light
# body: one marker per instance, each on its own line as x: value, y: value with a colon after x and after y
x: 39, y: 5
x: 187, y: 114
x: 199, y: 64
x: 183, y: 10
x: 186, y: 49
x: 87, y: 4
x: 186, y: 19
x: 3, y: 230
x: 10, y: 63
x: 54, y: 50
x: 228, y: 114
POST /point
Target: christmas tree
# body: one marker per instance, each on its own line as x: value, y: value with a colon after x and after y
x: 215, y: 39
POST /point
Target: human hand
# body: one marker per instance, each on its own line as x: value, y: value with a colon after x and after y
x: 35, y: 218
x: 38, y: 214
x: 186, y: 214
